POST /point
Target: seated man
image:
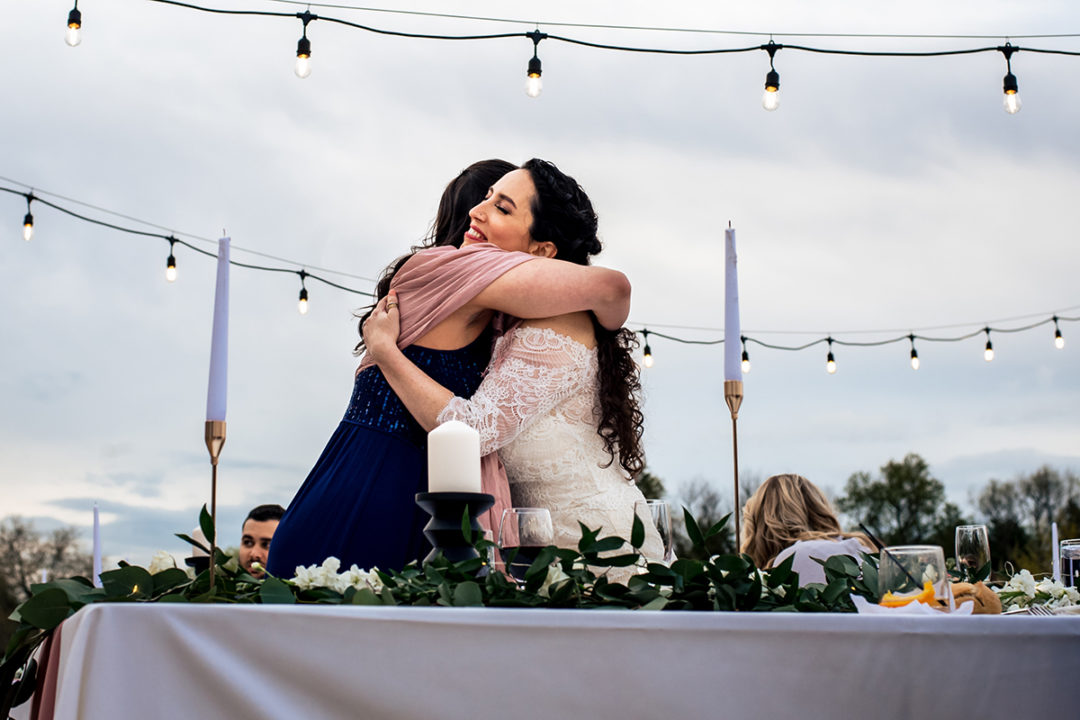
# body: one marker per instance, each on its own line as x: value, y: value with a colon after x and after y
x: 258, y: 529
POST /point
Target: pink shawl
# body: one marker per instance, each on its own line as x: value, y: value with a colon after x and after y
x: 433, y: 284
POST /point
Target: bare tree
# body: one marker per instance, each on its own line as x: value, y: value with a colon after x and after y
x: 24, y: 553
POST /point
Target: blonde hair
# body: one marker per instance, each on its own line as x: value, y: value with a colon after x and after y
x: 785, y: 509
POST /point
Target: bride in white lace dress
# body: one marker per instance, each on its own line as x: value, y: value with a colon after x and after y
x: 560, y: 399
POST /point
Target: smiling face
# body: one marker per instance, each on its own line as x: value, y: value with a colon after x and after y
x: 504, y: 217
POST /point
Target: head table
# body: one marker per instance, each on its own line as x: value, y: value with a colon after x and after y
x: 277, y: 661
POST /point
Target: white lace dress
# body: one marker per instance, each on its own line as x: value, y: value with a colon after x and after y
x: 538, y: 406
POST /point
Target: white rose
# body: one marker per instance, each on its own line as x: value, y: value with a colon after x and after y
x: 555, y: 575
x: 161, y: 561
x: 1025, y: 582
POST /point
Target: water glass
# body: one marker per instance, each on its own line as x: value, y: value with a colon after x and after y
x: 656, y: 514
x: 1070, y: 562
x: 523, y: 533
x: 907, y: 571
x: 972, y: 550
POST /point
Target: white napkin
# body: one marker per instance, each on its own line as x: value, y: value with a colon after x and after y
x: 865, y: 607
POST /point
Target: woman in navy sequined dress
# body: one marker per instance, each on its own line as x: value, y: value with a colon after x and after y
x: 358, y: 502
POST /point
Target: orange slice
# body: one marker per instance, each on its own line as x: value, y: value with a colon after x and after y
x: 926, y: 597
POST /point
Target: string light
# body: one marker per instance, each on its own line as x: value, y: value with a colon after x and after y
x: 1059, y: 341
x: 170, y: 264
x: 770, y: 100
x: 302, y: 304
x: 914, y: 353
x: 647, y: 360
x: 1011, y: 100
x: 988, y: 353
x: 745, y: 355
x: 28, y: 221
x: 533, y: 83
x: 303, y: 48
x: 830, y: 361
x: 73, y: 37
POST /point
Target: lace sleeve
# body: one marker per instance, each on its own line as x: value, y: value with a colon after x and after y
x: 538, y: 369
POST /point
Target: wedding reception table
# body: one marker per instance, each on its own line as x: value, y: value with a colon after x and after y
x: 276, y: 661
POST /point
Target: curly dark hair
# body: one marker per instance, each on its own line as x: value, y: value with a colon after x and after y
x: 563, y: 215
x: 451, y: 221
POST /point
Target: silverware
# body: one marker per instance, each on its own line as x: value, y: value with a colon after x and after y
x: 1039, y: 610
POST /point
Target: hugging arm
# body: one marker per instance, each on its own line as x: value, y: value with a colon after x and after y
x: 531, y: 379
x: 546, y: 287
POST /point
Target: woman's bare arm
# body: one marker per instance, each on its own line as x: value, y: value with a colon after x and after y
x: 547, y: 287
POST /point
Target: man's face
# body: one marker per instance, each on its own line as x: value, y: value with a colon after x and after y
x: 255, y: 544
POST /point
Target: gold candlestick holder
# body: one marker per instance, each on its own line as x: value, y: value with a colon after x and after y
x: 215, y: 440
x: 733, y: 396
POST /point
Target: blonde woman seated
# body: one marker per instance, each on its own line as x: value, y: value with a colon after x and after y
x: 789, y: 515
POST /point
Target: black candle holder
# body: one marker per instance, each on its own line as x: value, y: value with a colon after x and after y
x: 200, y: 563
x: 443, y: 530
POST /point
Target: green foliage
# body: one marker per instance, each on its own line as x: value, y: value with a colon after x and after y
x: 905, y: 505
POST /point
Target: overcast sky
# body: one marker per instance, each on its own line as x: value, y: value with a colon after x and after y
x: 885, y: 194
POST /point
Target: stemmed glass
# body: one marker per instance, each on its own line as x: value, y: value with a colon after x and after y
x: 657, y: 514
x: 915, y: 572
x: 523, y: 533
x: 972, y: 550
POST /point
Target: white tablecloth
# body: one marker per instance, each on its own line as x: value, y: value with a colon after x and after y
x: 234, y: 662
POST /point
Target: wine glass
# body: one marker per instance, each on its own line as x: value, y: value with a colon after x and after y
x: 1070, y: 562
x: 914, y: 572
x: 657, y: 514
x: 523, y: 533
x: 972, y: 550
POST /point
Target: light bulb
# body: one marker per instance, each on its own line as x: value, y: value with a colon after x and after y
x: 533, y: 86
x: 1059, y: 341
x: 988, y: 353
x: 303, y: 58
x: 770, y: 100
x: 533, y: 83
x: 72, y: 37
x: 830, y: 364
x: 647, y: 360
x: 28, y: 227
x: 303, y: 66
x: 1011, y: 101
x: 170, y: 269
x: 914, y: 360
x: 302, y: 304
x: 746, y: 365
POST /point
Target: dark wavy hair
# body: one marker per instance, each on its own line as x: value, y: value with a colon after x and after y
x: 563, y: 215
x: 451, y: 221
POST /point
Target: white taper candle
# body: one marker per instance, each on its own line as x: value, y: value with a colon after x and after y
x: 732, y: 331
x: 96, y: 570
x: 219, y: 341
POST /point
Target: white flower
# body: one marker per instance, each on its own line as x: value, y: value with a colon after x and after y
x: 327, y: 576
x: 161, y: 561
x: 555, y: 575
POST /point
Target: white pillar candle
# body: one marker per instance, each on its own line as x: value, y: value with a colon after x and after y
x: 96, y: 570
x: 732, y: 331
x: 219, y: 341
x: 197, y: 534
x: 454, y: 458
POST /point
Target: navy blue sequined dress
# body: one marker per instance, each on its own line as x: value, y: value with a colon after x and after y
x: 358, y: 502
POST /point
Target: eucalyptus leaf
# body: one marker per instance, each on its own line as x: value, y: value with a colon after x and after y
x: 276, y: 592
x: 466, y: 526
x: 131, y: 581
x: 192, y: 541
x: 46, y: 610
x: 206, y: 523
x: 468, y: 593
x: 168, y: 579
x: 637, y: 533
x: 693, y: 530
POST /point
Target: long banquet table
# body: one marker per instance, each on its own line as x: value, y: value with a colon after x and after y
x: 275, y: 661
